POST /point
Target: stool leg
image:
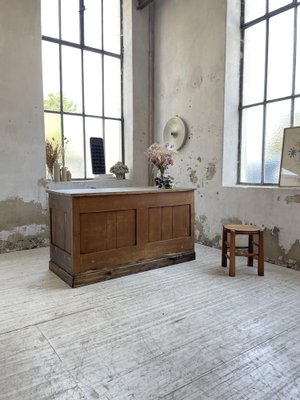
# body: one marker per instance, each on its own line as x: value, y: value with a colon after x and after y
x: 250, y: 250
x: 224, y: 248
x: 232, y: 254
x: 260, y: 269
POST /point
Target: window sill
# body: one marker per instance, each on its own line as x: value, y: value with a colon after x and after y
x: 98, y: 182
x: 271, y: 187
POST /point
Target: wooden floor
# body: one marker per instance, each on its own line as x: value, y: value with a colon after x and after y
x: 186, y: 331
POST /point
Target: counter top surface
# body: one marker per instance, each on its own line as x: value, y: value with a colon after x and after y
x: 116, y: 191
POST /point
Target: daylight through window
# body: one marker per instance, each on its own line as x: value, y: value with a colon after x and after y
x: 82, y: 78
x: 270, y: 85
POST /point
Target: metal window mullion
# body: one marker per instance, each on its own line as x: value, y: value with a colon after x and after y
x: 294, y: 66
x: 81, y: 22
x: 122, y: 77
x: 78, y: 46
x: 62, y: 134
x: 83, y: 113
x: 265, y: 101
x: 82, y: 41
x: 268, y: 14
x: 242, y: 45
x: 102, y: 72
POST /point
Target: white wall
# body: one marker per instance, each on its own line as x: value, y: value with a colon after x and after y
x: 23, y: 198
x: 189, y: 81
x: 190, y: 66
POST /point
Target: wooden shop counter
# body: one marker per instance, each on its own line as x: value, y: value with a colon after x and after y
x: 99, y: 234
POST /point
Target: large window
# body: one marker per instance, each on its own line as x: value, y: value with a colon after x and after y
x: 269, y: 87
x: 82, y: 78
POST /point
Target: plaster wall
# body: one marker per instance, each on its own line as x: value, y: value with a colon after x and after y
x: 195, y: 80
x: 23, y: 197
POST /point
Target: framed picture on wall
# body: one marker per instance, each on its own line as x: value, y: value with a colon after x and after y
x: 290, y: 158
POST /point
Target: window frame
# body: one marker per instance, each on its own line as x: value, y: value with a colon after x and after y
x: 294, y: 5
x: 84, y: 48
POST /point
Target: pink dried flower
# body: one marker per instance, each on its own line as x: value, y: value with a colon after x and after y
x: 161, y: 155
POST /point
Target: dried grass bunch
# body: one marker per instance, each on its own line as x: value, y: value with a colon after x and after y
x: 53, y: 153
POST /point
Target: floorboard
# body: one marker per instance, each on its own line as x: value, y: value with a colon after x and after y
x: 183, y: 332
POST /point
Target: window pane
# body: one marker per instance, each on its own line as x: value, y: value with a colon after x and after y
x: 113, y: 147
x: 254, y: 9
x: 93, y: 128
x: 52, y: 126
x: 280, y: 63
x: 71, y: 79
x: 111, y: 25
x: 251, y: 148
x: 278, y: 118
x: 92, y: 23
x: 254, y: 64
x: 70, y: 20
x: 74, y: 153
x: 112, y: 87
x: 297, y: 112
x: 50, y: 24
x: 274, y: 4
x: 51, y: 86
x: 297, y: 88
x: 93, y: 83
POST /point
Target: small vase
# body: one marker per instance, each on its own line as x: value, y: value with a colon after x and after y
x: 164, y: 181
x: 56, y: 171
x: 120, y: 176
x: 50, y: 173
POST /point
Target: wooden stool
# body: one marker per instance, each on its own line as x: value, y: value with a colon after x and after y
x: 249, y: 230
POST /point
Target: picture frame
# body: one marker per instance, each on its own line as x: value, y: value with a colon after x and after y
x: 290, y: 158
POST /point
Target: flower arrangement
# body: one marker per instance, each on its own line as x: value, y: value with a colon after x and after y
x: 161, y: 155
x: 119, y: 169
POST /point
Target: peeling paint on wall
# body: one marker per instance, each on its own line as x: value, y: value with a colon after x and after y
x: 293, y: 255
x: 210, y: 171
x: 43, y: 182
x: 23, y: 225
x: 202, y: 236
x: 293, y: 199
x: 273, y: 251
x: 193, y: 176
x: 276, y: 254
x: 15, y: 212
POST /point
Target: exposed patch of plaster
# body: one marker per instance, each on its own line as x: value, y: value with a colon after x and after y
x: 43, y: 182
x: 15, y: 212
x: 193, y: 176
x: 276, y: 254
x: 273, y: 251
x: 293, y: 199
x: 210, y: 171
x: 23, y: 244
x: 201, y: 233
x: 24, y: 237
x: 23, y: 225
x: 293, y: 256
x: 22, y: 231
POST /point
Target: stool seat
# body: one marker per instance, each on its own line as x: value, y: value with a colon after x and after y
x: 242, y: 229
